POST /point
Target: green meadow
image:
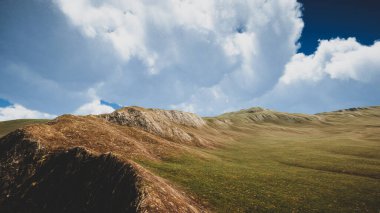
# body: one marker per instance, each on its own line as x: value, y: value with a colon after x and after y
x: 333, y: 167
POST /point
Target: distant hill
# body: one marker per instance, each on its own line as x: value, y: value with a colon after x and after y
x: 151, y: 160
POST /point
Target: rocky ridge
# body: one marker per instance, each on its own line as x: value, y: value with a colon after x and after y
x: 170, y: 124
x: 85, y: 164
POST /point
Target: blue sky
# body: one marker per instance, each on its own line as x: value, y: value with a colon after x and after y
x: 208, y: 57
x: 339, y: 18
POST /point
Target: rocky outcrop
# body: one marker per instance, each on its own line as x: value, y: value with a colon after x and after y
x: 170, y: 124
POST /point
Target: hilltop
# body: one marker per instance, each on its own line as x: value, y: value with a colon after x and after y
x: 104, y: 146
x: 143, y: 160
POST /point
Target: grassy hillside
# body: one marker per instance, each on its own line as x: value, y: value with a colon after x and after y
x: 321, y: 166
x: 9, y: 126
x: 257, y: 161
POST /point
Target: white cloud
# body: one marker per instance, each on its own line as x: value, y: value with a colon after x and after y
x: 17, y: 111
x: 336, y: 59
x: 202, y: 56
x: 177, y: 53
x: 94, y: 108
x: 341, y: 73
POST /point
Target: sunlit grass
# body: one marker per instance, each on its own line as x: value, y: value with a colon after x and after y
x: 277, y: 167
x: 282, y: 173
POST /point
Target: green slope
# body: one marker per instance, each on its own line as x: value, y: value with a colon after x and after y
x: 8, y: 126
x: 331, y: 165
x: 280, y: 162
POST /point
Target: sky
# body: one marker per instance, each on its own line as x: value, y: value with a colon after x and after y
x: 208, y: 57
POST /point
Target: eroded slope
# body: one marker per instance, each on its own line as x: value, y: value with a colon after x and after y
x: 83, y: 163
x: 169, y: 124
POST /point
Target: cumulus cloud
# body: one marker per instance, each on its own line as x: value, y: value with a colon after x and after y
x: 336, y: 59
x: 176, y: 53
x: 17, y: 111
x: 341, y: 73
x: 202, y: 56
x: 94, y: 107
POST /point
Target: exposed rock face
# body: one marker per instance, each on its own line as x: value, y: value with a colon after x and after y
x: 170, y: 124
x: 39, y: 178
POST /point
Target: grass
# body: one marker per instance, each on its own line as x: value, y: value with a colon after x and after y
x: 296, y: 169
x: 8, y: 126
x: 274, y: 167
